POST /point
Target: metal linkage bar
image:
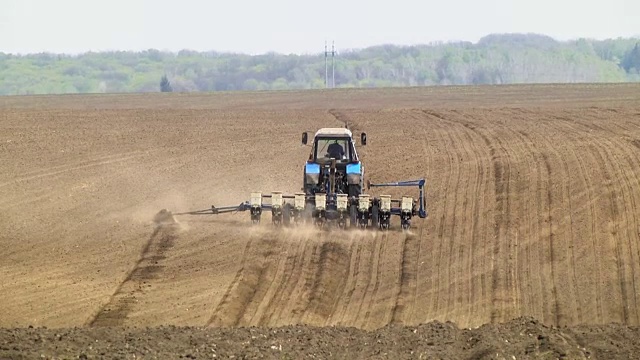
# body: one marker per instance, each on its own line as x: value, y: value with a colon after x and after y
x: 218, y: 210
x: 419, y: 183
x: 422, y: 210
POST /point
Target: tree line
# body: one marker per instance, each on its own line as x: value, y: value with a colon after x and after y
x: 495, y: 59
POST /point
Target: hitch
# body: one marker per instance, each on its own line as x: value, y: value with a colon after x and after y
x: 218, y: 210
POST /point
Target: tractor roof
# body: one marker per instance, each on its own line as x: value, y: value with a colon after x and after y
x: 334, y: 132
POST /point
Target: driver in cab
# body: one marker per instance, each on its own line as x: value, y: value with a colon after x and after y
x: 336, y: 151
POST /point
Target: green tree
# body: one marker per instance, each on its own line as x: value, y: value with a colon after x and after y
x: 496, y: 59
x: 165, y: 85
x: 632, y: 59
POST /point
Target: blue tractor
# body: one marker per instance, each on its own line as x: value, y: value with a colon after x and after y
x: 333, y: 191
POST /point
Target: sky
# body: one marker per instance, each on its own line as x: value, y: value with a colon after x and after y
x: 296, y: 26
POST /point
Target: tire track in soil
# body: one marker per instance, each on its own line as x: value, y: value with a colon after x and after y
x: 542, y: 183
x: 363, y: 271
x: 344, y: 119
x: 291, y: 305
x: 409, y: 268
x: 602, y: 149
x: 83, y: 164
x: 612, y: 170
x: 299, y: 298
x: 480, y: 149
x: 457, y: 215
x: 628, y: 199
x: 248, y: 283
x: 545, y: 225
x: 273, y: 286
x: 591, y: 201
x: 272, y: 276
x: 148, y: 268
x: 511, y: 210
x: 546, y: 222
x: 424, y: 229
x: 487, y: 142
x: 570, y: 251
x: 467, y: 152
x: 440, y: 227
x: 505, y: 248
x: 472, y: 153
x: 532, y: 183
x: 614, y: 232
x: 226, y: 298
x: 501, y: 172
x: 568, y: 297
x: 632, y: 236
x: 620, y: 188
x: 502, y: 178
x: 328, y: 284
x: 626, y: 152
x: 293, y: 265
x: 352, y: 282
x: 373, y: 282
x: 462, y: 154
x: 550, y: 234
x: 407, y: 278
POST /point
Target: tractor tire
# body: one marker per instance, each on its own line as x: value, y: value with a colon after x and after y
x: 353, y: 216
x: 286, y: 215
x: 375, y: 216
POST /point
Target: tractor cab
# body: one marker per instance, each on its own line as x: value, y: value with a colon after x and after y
x: 333, y: 165
x: 333, y: 144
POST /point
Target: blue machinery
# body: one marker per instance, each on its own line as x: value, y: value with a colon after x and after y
x: 422, y: 204
x: 333, y: 192
x: 322, y: 209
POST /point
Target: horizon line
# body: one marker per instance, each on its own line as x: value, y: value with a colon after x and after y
x: 351, y: 49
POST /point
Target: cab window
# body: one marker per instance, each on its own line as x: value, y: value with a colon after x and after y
x: 333, y: 148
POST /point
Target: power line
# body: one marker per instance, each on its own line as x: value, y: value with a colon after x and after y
x: 326, y: 65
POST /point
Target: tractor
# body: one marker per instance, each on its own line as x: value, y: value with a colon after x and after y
x: 332, y: 193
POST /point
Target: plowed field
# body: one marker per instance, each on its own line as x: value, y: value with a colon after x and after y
x: 533, y: 198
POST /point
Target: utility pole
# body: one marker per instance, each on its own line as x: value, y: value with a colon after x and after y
x: 333, y: 65
x: 326, y: 69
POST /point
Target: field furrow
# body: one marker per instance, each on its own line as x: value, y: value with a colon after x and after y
x: 532, y: 194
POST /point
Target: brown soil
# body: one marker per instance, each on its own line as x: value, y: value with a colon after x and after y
x: 533, y: 201
x: 522, y: 338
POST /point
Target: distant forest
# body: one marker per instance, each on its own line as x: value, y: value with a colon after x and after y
x: 495, y: 59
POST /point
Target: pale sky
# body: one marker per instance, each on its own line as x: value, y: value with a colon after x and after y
x: 296, y: 26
